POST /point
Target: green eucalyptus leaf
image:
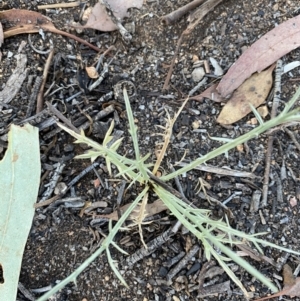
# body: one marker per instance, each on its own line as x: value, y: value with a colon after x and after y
x: 19, y: 182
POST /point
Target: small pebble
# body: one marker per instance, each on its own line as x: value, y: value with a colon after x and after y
x: 198, y: 74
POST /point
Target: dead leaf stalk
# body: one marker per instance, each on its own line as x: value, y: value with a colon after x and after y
x: 59, y: 5
x: 40, y: 97
x: 178, y: 13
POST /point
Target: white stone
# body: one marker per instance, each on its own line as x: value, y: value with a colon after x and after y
x: 198, y: 74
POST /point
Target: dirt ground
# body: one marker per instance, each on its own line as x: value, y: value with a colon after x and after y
x: 61, y: 237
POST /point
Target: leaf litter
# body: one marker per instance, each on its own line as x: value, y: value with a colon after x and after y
x: 99, y: 18
x: 253, y: 91
x: 19, y: 21
x: 149, y: 210
x: 291, y: 285
x: 264, y: 52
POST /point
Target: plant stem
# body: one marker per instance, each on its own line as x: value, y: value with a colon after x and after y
x: 281, y: 118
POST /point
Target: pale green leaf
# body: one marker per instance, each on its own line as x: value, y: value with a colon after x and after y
x: 19, y: 182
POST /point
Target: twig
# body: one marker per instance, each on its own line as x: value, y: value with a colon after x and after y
x: 178, y: 13
x: 82, y: 174
x: 175, y: 259
x: 292, y: 136
x: 59, y: 5
x: 222, y: 171
x: 198, y: 86
x: 276, y: 99
x: 53, y: 182
x: 199, y: 14
x: 71, y: 36
x: 151, y: 247
x: 33, y: 95
x: 47, y: 202
x: 35, y: 49
x: 40, y: 98
x: 121, y: 192
x: 279, y: 196
x: 25, y: 292
x: 182, y: 263
x: 102, y: 75
x: 62, y: 117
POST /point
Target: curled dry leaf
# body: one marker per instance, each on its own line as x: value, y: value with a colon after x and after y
x: 254, y: 90
x: 264, y: 52
x: 91, y: 72
x: 150, y: 210
x: 100, y: 20
x: 19, y: 21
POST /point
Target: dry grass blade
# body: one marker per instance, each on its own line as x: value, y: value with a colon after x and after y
x: 167, y: 136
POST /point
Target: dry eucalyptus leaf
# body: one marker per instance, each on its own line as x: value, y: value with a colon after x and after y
x: 100, y: 20
x: 264, y: 52
x: 20, y: 21
x: 254, y: 90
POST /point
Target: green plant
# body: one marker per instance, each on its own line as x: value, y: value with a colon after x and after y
x: 212, y: 233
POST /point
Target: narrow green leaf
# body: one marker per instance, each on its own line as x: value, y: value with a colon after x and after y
x: 257, y: 115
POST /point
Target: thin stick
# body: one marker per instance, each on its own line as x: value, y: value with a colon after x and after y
x: 40, y: 98
x: 292, y: 136
x: 199, y: 15
x: 59, y: 5
x: 276, y: 99
x: 62, y: 117
x: 178, y: 13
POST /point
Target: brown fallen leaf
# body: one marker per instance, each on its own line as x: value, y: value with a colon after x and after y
x: 254, y: 90
x: 19, y: 21
x: 150, y: 210
x: 264, y: 52
x: 291, y: 285
x: 100, y: 20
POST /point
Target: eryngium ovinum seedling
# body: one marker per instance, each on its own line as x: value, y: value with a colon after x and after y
x: 213, y: 234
